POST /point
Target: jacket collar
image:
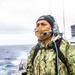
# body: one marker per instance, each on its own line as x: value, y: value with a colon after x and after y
x: 54, y: 38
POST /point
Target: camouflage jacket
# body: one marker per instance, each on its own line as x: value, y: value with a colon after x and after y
x: 44, y: 62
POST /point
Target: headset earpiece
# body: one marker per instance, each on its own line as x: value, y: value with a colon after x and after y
x: 55, y: 28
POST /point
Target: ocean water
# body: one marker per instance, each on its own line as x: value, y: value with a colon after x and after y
x: 11, y: 56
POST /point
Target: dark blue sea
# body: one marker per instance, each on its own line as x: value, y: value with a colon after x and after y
x: 11, y: 56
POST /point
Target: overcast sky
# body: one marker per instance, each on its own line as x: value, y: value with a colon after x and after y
x: 18, y: 18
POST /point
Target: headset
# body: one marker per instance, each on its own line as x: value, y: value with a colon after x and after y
x: 55, y: 28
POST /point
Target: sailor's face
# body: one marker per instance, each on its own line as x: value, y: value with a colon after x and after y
x: 42, y: 26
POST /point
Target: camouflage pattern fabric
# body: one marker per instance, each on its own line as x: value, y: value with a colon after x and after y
x: 44, y: 62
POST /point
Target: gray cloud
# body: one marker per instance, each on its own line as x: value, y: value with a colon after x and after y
x: 20, y: 15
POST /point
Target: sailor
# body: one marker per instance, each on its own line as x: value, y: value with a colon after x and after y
x: 46, y: 59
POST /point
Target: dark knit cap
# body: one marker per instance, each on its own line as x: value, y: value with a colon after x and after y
x: 48, y: 18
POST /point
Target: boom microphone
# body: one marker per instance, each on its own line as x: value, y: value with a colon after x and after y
x: 46, y: 32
